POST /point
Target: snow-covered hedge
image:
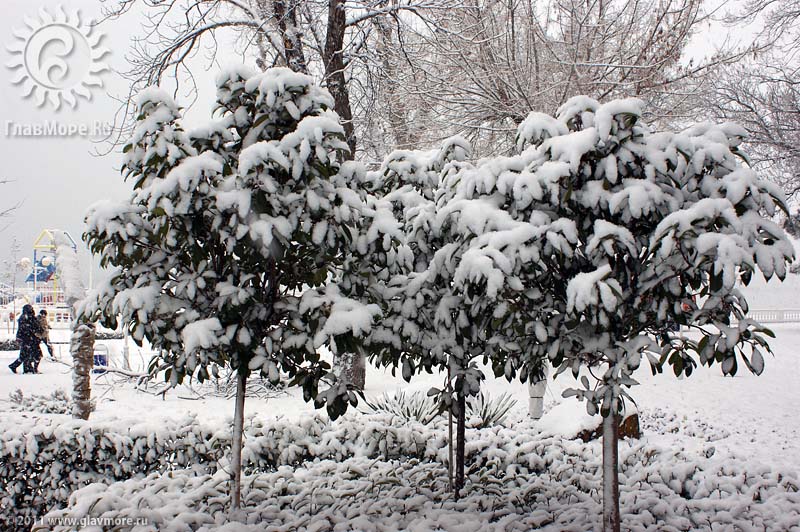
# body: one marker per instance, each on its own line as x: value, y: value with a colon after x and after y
x: 9, y: 345
x: 44, y: 460
x: 518, y: 480
x: 57, y: 402
x: 372, y: 472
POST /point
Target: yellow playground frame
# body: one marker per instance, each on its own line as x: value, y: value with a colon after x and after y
x: 44, y: 247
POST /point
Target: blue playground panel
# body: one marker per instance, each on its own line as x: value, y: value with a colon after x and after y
x: 100, y: 359
x: 43, y: 274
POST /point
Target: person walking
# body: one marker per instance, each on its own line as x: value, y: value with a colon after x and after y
x: 44, y: 326
x: 28, y: 339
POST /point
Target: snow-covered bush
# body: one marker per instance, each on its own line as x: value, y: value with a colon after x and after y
x: 520, y: 480
x: 482, y: 411
x: 43, y: 461
x: 414, y: 406
x: 9, y: 345
x: 57, y: 402
x: 601, y: 235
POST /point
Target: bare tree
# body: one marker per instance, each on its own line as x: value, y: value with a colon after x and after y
x: 765, y: 100
x: 326, y: 38
x: 490, y: 64
x: 7, y: 211
x: 762, y: 93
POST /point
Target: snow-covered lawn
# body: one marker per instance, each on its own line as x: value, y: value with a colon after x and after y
x: 724, y: 450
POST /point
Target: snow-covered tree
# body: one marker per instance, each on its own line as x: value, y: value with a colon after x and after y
x: 227, y: 246
x: 82, y: 339
x: 430, y: 322
x: 602, y: 235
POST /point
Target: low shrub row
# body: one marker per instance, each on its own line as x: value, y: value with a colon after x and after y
x: 368, y: 469
x: 517, y: 482
x: 44, y: 460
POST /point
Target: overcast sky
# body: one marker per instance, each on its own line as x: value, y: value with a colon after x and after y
x: 57, y: 178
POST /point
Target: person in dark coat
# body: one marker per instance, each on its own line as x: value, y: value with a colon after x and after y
x: 28, y: 338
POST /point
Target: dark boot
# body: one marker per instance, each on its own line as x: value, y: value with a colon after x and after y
x: 14, y: 365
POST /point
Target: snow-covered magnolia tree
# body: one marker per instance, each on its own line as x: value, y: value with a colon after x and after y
x: 601, y: 235
x: 431, y: 323
x: 227, y: 246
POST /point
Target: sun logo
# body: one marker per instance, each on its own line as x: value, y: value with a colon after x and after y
x: 57, y: 58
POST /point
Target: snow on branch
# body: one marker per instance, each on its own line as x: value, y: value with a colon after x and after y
x: 69, y: 269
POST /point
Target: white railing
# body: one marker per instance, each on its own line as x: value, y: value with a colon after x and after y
x: 6, y: 292
x: 775, y: 316
x: 43, y: 296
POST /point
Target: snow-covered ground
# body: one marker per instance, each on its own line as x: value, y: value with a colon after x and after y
x: 758, y: 414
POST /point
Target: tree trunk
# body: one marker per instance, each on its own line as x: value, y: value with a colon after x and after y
x: 450, y: 449
x: 356, y: 371
x: 449, y: 435
x: 82, y: 350
x: 351, y: 369
x: 536, y: 391
x: 336, y: 83
x: 236, y: 443
x: 460, y: 441
x: 335, y: 79
x: 398, y: 107
x: 286, y: 15
x: 611, y: 517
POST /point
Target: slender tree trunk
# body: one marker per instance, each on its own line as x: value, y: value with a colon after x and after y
x: 82, y: 350
x: 335, y: 79
x: 358, y: 371
x: 611, y: 517
x: 449, y: 436
x: 236, y: 444
x: 450, y: 453
x: 398, y: 107
x: 536, y: 391
x: 460, y: 441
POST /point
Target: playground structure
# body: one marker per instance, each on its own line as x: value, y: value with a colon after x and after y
x: 42, y: 286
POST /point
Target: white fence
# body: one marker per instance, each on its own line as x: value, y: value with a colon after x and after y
x: 775, y: 316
